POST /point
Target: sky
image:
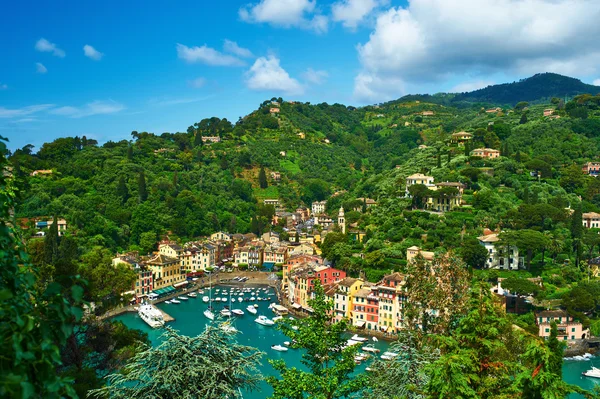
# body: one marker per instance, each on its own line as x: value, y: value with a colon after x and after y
x: 105, y: 68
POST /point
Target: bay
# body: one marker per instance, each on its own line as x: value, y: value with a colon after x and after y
x: 189, y: 320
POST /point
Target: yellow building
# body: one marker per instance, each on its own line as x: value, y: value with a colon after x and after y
x: 166, y: 271
x: 343, y: 297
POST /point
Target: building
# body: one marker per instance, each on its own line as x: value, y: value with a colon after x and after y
x: 322, y: 220
x: 304, y: 281
x: 365, y: 309
x: 369, y: 202
x: 418, y: 178
x: 143, y: 284
x: 172, y: 250
x: 568, y: 328
x: 276, y: 176
x: 274, y: 110
x: 342, y: 220
x: 42, y: 225
x: 211, y: 139
x: 295, y: 261
x: 413, y: 252
x: 301, y: 135
x: 318, y: 207
x: 548, y: 111
x: 493, y: 110
x: 461, y: 138
x: 489, y: 153
x: 591, y: 168
x: 41, y: 172
x: 445, y: 200
x: 274, y: 255
x: 500, y: 257
x: 271, y: 201
x: 166, y: 271
x: 427, y: 113
x: 391, y: 299
x: 591, y: 220
x: 346, y: 288
x: 220, y: 236
x: 302, y: 249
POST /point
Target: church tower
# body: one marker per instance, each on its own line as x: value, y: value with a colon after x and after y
x: 342, y: 220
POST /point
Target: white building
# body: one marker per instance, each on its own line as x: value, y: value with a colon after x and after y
x: 318, y: 207
x: 500, y: 257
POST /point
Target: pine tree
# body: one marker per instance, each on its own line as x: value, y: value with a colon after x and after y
x: 130, y: 153
x: 122, y: 191
x: 262, y: 178
x: 198, y: 140
x: 577, y: 232
x: 439, y: 160
x: 143, y: 194
x: 526, y: 199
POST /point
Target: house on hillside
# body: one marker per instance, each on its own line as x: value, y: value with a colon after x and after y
x: 427, y: 113
x: 461, y: 138
x: 500, y: 257
x: 318, y: 207
x: 591, y: 168
x: 274, y: 110
x: 444, y: 200
x: 413, y: 252
x: 489, y: 153
x: 548, y: 111
x: 591, y: 220
x: 568, y: 329
x: 418, y: 178
x: 276, y: 176
x: 271, y: 201
x: 41, y: 172
x: 493, y: 110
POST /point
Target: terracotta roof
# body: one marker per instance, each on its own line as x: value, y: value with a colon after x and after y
x: 489, y: 238
x: 394, y: 277
x: 348, y: 281
x: 552, y: 313
x: 362, y: 293
x: 162, y: 260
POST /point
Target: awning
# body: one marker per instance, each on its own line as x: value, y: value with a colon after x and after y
x: 360, y: 323
x: 309, y: 309
x: 296, y: 305
x: 268, y: 265
x: 181, y: 284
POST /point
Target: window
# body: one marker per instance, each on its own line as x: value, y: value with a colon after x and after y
x: 547, y: 330
x: 573, y: 329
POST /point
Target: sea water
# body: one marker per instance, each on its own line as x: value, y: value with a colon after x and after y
x: 572, y: 370
x: 190, y: 320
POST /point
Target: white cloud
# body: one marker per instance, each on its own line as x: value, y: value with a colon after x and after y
x: 45, y: 46
x: 3, y: 86
x: 266, y: 74
x: 94, y: 108
x: 233, y: 48
x: 352, y: 12
x: 20, y: 112
x: 206, y: 55
x: 197, y: 83
x: 286, y: 14
x: 92, y: 53
x: 441, y: 39
x: 40, y: 68
x: 595, y: 82
x: 471, y: 86
x: 315, y: 77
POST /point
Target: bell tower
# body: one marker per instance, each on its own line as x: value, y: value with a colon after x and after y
x: 342, y: 220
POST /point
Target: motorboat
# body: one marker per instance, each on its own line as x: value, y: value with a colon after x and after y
x: 168, y: 302
x: 201, y: 292
x: 208, y: 313
x: 175, y: 301
x: 391, y: 355
x: 226, y: 312
x: 279, y: 348
x: 593, y: 372
x: 355, y: 337
x: 287, y: 343
x: 238, y: 312
x: 151, y: 315
x: 375, y: 339
x: 192, y: 294
x: 252, y: 298
x: 182, y: 298
x: 295, y: 328
x: 240, y: 299
x: 205, y: 299
x: 256, y: 306
x: 264, y: 320
x: 251, y: 309
x: 370, y: 348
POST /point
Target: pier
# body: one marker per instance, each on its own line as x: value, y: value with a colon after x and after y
x: 166, y: 317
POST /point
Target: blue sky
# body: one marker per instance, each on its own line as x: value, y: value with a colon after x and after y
x: 103, y: 69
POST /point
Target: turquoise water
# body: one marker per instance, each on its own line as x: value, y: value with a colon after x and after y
x: 572, y: 374
x: 190, y: 321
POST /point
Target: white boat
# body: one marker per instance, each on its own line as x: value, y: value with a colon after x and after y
x: 226, y: 312
x: 168, y: 302
x: 182, y: 298
x: 205, y: 299
x: 264, y: 320
x: 175, y: 301
x: 256, y: 306
x: 593, y: 372
x: 192, y: 294
x: 375, y: 339
x: 287, y: 343
x: 388, y: 355
x: 295, y: 328
x: 252, y: 298
x: 370, y: 348
x: 151, y: 315
x: 238, y: 312
x: 279, y: 348
x: 201, y: 292
x: 209, y: 314
x: 240, y: 299
x: 270, y: 305
x: 355, y: 337
x: 251, y: 309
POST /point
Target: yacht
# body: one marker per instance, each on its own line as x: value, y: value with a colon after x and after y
x: 175, y: 301
x: 168, y: 302
x: 279, y: 348
x: 151, y: 315
x: 251, y: 309
x: 593, y: 372
x: 209, y: 314
x: 355, y: 337
x: 238, y: 312
x: 192, y: 294
x: 205, y: 299
x: 227, y: 327
x: 370, y: 348
x: 226, y: 312
x: 264, y: 320
x: 182, y: 298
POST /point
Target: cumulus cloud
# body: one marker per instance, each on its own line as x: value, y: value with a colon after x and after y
x: 45, y: 46
x: 92, y: 53
x: 40, y: 68
x: 595, y: 82
x: 352, y: 12
x: 20, y: 112
x: 94, y: 108
x: 233, y: 48
x: 286, y: 13
x: 471, y: 86
x: 440, y: 39
x: 267, y: 75
x: 197, y: 83
x: 315, y: 77
x: 207, y: 55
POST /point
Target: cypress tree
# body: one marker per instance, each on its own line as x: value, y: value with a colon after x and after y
x: 467, y: 152
x: 523, y: 119
x: 449, y: 156
x: 518, y: 156
x: 143, y: 194
x: 122, y: 191
x: 198, y: 140
x: 557, y: 348
x: 130, y: 153
x: 526, y: 195
x: 439, y: 160
x: 51, y: 243
x: 262, y: 178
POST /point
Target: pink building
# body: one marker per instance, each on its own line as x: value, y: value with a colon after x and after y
x: 485, y: 153
x: 591, y: 168
x: 568, y: 328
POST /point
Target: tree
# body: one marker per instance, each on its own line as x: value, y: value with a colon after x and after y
x: 521, y: 105
x: 527, y: 240
x: 330, y: 362
x: 262, y: 178
x: 523, y: 119
x: 211, y: 365
x: 572, y: 179
x: 419, y: 194
x: 148, y: 241
x: 130, y: 153
x: 51, y: 243
x: 198, y: 140
x: 122, y: 191
x: 520, y: 286
x: 142, y: 193
x: 473, y: 253
x: 33, y: 324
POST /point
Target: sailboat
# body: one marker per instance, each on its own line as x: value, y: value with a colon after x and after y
x: 208, y: 313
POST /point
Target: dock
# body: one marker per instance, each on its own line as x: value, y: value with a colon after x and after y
x: 166, y: 317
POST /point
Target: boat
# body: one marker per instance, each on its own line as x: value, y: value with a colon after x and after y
x: 151, y: 315
x: 226, y: 312
x: 295, y: 328
x: 168, y: 302
x: 375, y: 339
x: 238, y: 312
x: 251, y: 309
x: 201, y: 292
x: 593, y: 372
x: 355, y: 337
x: 287, y: 343
x: 182, y: 298
x: 208, y: 313
x: 279, y: 348
x: 360, y: 357
x: 192, y: 294
x: 175, y: 301
x: 252, y: 298
x: 391, y: 355
x: 370, y: 348
x: 256, y: 306
x: 240, y: 299
x: 264, y: 320
x: 205, y: 299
